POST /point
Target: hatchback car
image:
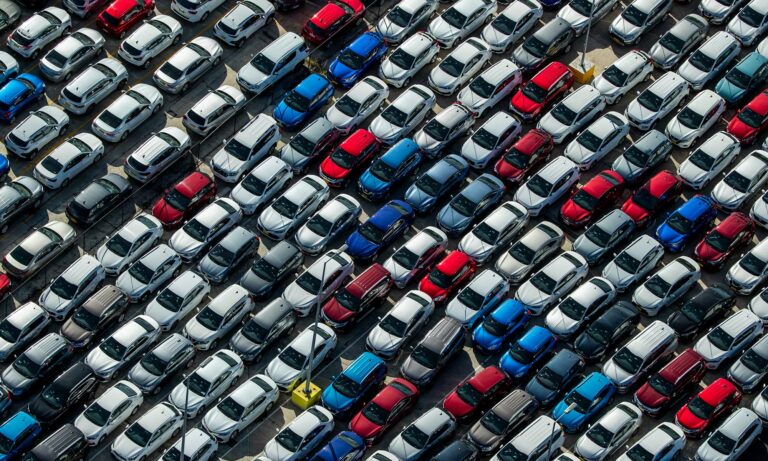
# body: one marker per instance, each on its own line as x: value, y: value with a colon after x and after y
x: 600, y: 336
x: 733, y: 232
x: 18, y: 197
x: 527, y: 252
x: 207, y: 382
x: 216, y: 320
x: 729, y: 338
x: 657, y: 100
x: 70, y: 54
x: 692, y: 217
x: 126, y: 113
x: 223, y: 258
x: 382, y: 228
x: 416, y: 255
x: 677, y: 41
x: 492, y: 139
x: 555, y: 377
x: 388, y: 406
x: 155, y: 155
x: 210, y: 223
x: 751, y: 120
x: 437, y: 182
x: 747, y: 76
x: 525, y: 353
x: 213, y: 110
x: 263, y: 329
x: 161, y: 363
x: 330, y: 221
x: 68, y: 160
x: 499, y: 326
x: 399, y: 68
x: 357, y: 104
x: 17, y: 94
x: 449, y: 124
x: 243, y: 20
x: 554, y: 37
x: 152, y: 430
x: 746, y: 274
x: 93, y: 85
x: 271, y: 269
x: 512, y: 24
x: 738, y: 185
x: 591, y: 200
x: 389, y: 169
x: 732, y: 438
x: 428, y: 431
x: 472, y: 202
x: 482, y: 294
x: 749, y: 370
x: 664, y: 442
x: 38, y: 248
x: 709, y: 159
x: 409, y: 314
x: 41, y: 28
x: 98, y: 198
x: 122, y: 347
x: 352, y: 155
x: 406, y: 112
x: 609, y: 433
x: 147, y: 274
x: 547, y: 185
x: 260, y: 185
x: 667, y: 285
x: 332, y: 18
x: 187, y: 65
x: 476, y: 393
x: 605, y: 235
x: 357, y: 381
x: 618, y: 79
x: 153, y: 37
x: 317, y: 282
x: 709, y: 59
x: 549, y: 84
x: 583, y: 304
x: 240, y: 408
x: 350, y: 64
x: 495, y: 231
x: 448, y: 275
x: 638, y: 18
x: 459, y: 66
x: 109, y: 411
x: 71, y: 287
x: 633, y: 262
x: 699, y: 312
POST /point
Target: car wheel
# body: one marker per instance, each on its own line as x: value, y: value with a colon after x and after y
x: 235, y: 435
x: 63, y: 130
x: 176, y: 39
x: 175, y: 432
x: 567, y: 48
x: 489, y: 18
x: 185, y: 87
x: 68, y: 76
x: 406, y: 82
x: 217, y: 61
x: 240, y: 43
x: 144, y: 297
x: 176, y: 272
x: 122, y: 35
x: 214, y: 344
x: 453, y: 43
x: 4, y: 228
x: 147, y: 63
x: 135, y: 410
x: 124, y: 135
x: 66, y: 182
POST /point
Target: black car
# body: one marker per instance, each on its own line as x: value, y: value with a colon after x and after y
x: 272, y: 322
x: 74, y: 386
x: 97, y: 199
x: 458, y: 450
x: 66, y: 444
x: 556, y: 376
x: 605, y: 332
x: 268, y: 271
x: 701, y: 311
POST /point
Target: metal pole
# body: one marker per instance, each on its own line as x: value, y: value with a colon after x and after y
x: 308, y: 375
x: 184, y: 421
x: 589, y: 29
x: 555, y: 423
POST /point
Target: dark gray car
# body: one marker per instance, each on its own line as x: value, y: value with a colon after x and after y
x: 678, y: 41
x: 433, y: 352
x: 555, y: 377
x: 262, y: 329
x: 41, y: 360
x: 604, y: 235
x: 268, y: 271
x: 18, y: 197
x: 504, y: 418
x: 474, y: 200
x: 96, y: 314
x: 308, y: 144
x: 552, y: 38
x: 159, y: 364
x: 435, y: 183
x: 239, y: 244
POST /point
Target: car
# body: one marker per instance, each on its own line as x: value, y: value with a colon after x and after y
x: 262, y: 329
x: 19, y: 196
x: 751, y: 120
x: 122, y: 347
x: 155, y: 155
x: 749, y: 23
x: 635, y: 359
x: 70, y: 54
x: 597, y: 140
x: 524, y: 156
x: 651, y: 196
x: 403, y: 18
x: 68, y: 159
x: 43, y: 27
x: 196, y: 444
x: 312, y: 142
x: 195, y: 11
x: 527, y: 252
x: 667, y: 285
x: 242, y: 21
x: 591, y: 200
x: 572, y: 113
x: 38, y: 248
x: 525, y: 353
x: 582, y: 16
x: 213, y: 110
x: 344, y: 445
x: 350, y: 64
x: 22, y: 431
x: 74, y: 386
x: 750, y: 271
x: 36, y: 364
x: 747, y: 76
x: 11, y: 13
x: 18, y: 93
x: 415, y: 52
x: 709, y: 59
x: 437, y: 182
x: 510, y: 413
x: 428, y: 431
x: 459, y: 66
x: 416, y: 256
x: 129, y: 243
x: 715, y: 400
x: 758, y: 305
x: 588, y: 398
x: 476, y: 393
x: 732, y: 438
x: 637, y: 19
x: 147, y: 42
x: 161, y: 363
x: 460, y: 20
x: 144, y: 436
x: 302, y: 101
x: 609, y: 433
x: 271, y: 269
x: 385, y: 409
x: 409, y: 314
x: 357, y: 381
x: 38, y: 129
x: 207, y: 382
x: 695, y: 118
x: 448, y: 125
x: 9, y: 66
x: 21, y: 327
x: 406, y: 112
x: 633, y: 262
x: 677, y: 41
x: 127, y: 112
x: 541, y: 439
x: 223, y: 258
x: 664, y: 387
x: 261, y: 72
x: 332, y: 18
x: 357, y: 298
x: 709, y: 159
x: 554, y: 37
x: 93, y: 85
x: 718, y: 13
x: 495, y: 231
x: 493, y: 138
x: 122, y: 15
x: 499, y: 326
x: 289, y: 367
x: 352, y: 155
x: 240, y: 408
x: 729, y: 338
x: 71, y: 287
x: 357, y: 104
x: 382, y: 228
x: 481, y: 295
x: 583, y: 304
x: 748, y: 371
x: 512, y: 24
x: 148, y: 273
x: 734, y: 231
x: 261, y: 184
x: 200, y: 232
x: 293, y: 207
x: 618, y: 79
x: 318, y: 282
x: 389, y: 169
x: 188, y: 64
x: 548, y: 85
x: 657, y: 101
x: 216, y: 320
x: 748, y: 176
x: 448, y: 275
x: 472, y: 202
x: 701, y: 311
x: 97, y: 199
x: 109, y: 411
x: 663, y: 442
x: 759, y: 403
x: 330, y: 221
x: 547, y: 185
x: 692, y: 217
x: 184, y: 199
x: 555, y: 376
x: 604, y: 235
x: 491, y: 86
x: 606, y: 331
x: 759, y: 211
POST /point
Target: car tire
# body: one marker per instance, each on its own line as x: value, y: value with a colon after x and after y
x: 176, y: 39
x: 63, y: 129
x: 406, y: 82
x: 144, y: 297
x: 184, y: 88
x: 217, y: 61
x: 147, y: 63
x: 4, y: 228
x: 122, y: 35
x: 204, y: 17
x: 66, y: 182
x: 175, y: 432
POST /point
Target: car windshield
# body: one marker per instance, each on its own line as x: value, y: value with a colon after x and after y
x: 297, y: 101
x: 481, y: 87
x: 672, y: 42
x: 209, y: 319
x: 680, y: 223
x: 293, y: 358
x: 658, y: 286
x: 347, y: 106
x: 534, y: 92
x: 485, y: 139
x: 700, y: 408
x: 415, y: 437
x: 738, y: 78
x: 628, y: 361
x: 634, y: 16
x: 237, y: 149
x: 750, y: 117
x: 535, y: 47
x: 650, y: 100
x: 255, y: 332
x: 309, y: 282
x: 600, y: 435
x: 85, y: 319
x: 437, y: 130
x: 752, y: 264
x: 382, y: 170
x: 176, y: 200
x: 63, y: 288
x: 494, y: 423
x: 539, y: 186
x: 598, y: 236
x: 440, y: 279
x: 351, y: 59
x: 590, y: 141
x: 582, y: 403
x: 544, y: 282
x: 522, y: 253
x: 372, y: 233
x: 231, y: 409
x: 701, y: 61
x: 471, y: 298
x: 154, y: 364
x: 486, y: 233
x: 348, y: 300
x: 464, y: 205
x: 347, y: 387
x: 504, y: 24
x: 319, y: 225
x: 113, y: 348
x: 21, y: 255
x: 751, y: 17
x: 645, y: 199
x: 141, y: 272
x: 613, y: 74
x: 51, y: 164
x: 564, y: 114
x: 96, y: 414
x: 701, y: 160
x: 26, y: 366
x: 720, y: 338
x: 402, y: 59
x: 661, y: 385
x: 405, y: 257
x: 289, y: 439
x: 721, y: 443
x: 627, y: 262
x: 119, y: 245
x: 494, y: 327
x: 571, y: 308
x: 375, y: 413
x: 452, y: 66
x: 737, y: 181
x: 285, y: 207
x: 138, y: 435
x: 399, y: 16
x: 55, y: 396
x: 454, y: 18
x: 9, y: 332
x: 519, y: 354
x: 196, y: 230
x: 394, y: 116
x: 469, y: 394
x: 549, y: 378
x: 718, y: 241
x: 510, y: 453
x: 429, y: 185
x: 425, y: 356
x: 198, y: 384
x: 265, y: 270
x: 344, y: 159
x: 263, y: 64
x: 585, y: 200
x: 638, y: 453
x: 599, y: 332
x: 754, y: 361
x: 690, y: 118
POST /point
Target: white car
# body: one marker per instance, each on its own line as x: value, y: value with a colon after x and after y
x: 71, y: 287
x: 261, y: 184
x: 318, y: 282
x: 8, y: 64
x: 759, y: 305
x: 197, y: 445
x: 495, y: 231
x: 709, y: 59
x: 750, y: 370
x: 447, y: 125
x: 213, y: 110
x: 709, y: 159
x: 129, y: 243
x: 491, y: 140
x: 127, y: 112
x: 484, y: 292
x: 572, y: 113
x: 622, y: 75
x: 490, y: 87
x: 718, y: 11
x: 750, y: 23
x: 561, y: 274
x: 155, y: 155
x: 205, y: 227
x: 529, y: 250
x: 460, y: 20
x: 403, y: 18
x: 240, y: 153
x: 547, y: 185
x: 747, y: 177
x: 416, y: 255
x: 244, y: 20
x: 109, y: 411
x: 21, y: 326
x: 634, y: 262
x: 68, y: 160
x: 38, y: 129
x: 289, y: 367
x: 70, y: 54
x: 195, y: 10
x: 759, y: 211
x: 92, y: 85
x: 751, y: 270
x: 645, y: 153
x: 149, y: 273
x: 662, y: 443
x: 207, y: 382
x: 293, y: 207
x: 330, y: 221
x: 597, y: 140
x: 357, y: 104
x: 147, y: 434
x: 581, y: 13
x: 188, y: 64
x: 215, y: 322
x: 512, y: 24
x: 667, y: 285
x: 241, y: 407
x: 299, y: 437
x: 37, y: 31
x: 732, y: 438
x: 154, y: 36
x: 638, y: 17
x: 459, y: 66
x: 402, y: 65
x: 409, y: 314
x: 729, y: 338
x: 695, y: 118
x: 261, y: 72
x: 431, y: 429
x: 120, y: 348
x: 679, y: 40
x: 657, y: 100
x: 183, y: 295
x: 583, y: 304
x: 404, y: 114
x: 609, y: 433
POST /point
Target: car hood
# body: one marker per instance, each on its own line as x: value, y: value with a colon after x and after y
x: 337, y: 117
x: 159, y: 313
x: 662, y: 55
x: 541, y: 393
x: 332, y: 170
x: 226, y: 162
x: 298, y: 297
x: 89, y: 430
x: 692, y: 74
x: 252, y: 75
x: 727, y: 195
x: 402, y: 449
x: 470, y: 99
x: 559, y: 323
x: 198, y: 332
x: 165, y: 212
x: 253, y: 283
x: 587, y: 248
x: 679, y: 131
x: 624, y: 28
x: 419, y: 199
x: 471, y: 150
x: 391, y: 71
x: 574, y: 212
x: 475, y: 247
x: 729, y: 91
x: 309, y: 238
x: 389, y: 30
x: 493, y: 36
x: 371, y: 183
x: 75, y: 333
x: 706, y: 452
x: 618, y: 276
x: 741, y: 276
x: 644, y: 298
x: 715, y: 8
x: 742, y: 374
x: 183, y: 244
x: 578, y: 153
x: 217, y: 422
x: 281, y: 373
x: 360, y: 246
x: 335, y: 401
x: 639, y: 112
x: 709, y: 351
x: 341, y: 71
x: 456, y: 406
x: 108, y: 259
x: 574, y: 18
x: 274, y: 221
x: 210, y: 268
x: 616, y: 374
x: 741, y: 29
x: 54, y: 303
x: 459, y: 311
x: 100, y: 362
x: 383, y: 341
x: 43, y: 412
x: 441, y: 30
x: 287, y: 114
x: 15, y: 380
x: 690, y: 172
x: 125, y: 448
x: 142, y: 378
x: 513, y: 269
x: 528, y: 198
x: 525, y: 105
x: 526, y: 59
x: 179, y: 397
x: 398, y: 272
x: 449, y: 218
x: 589, y: 449
x: 486, y: 340
x: 442, y: 79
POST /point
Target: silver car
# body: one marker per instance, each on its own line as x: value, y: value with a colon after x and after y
x: 657, y: 100
x: 213, y: 110
x: 263, y: 329
x: 568, y: 270
x: 495, y: 231
x: 205, y: 227
x: 583, y: 304
x: 10, y: 13
x: 664, y: 442
x: 447, y: 125
x: 129, y: 243
x: 709, y: 159
x: 244, y: 20
x: 667, y: 285
x: 153, y: 37
x: 39, y: 248
x: 357, y: 104
x: 183, y: 295
x: 729, y: 338
x: 68, y: 160
x: 749, y: 370
x: 249, y: 145
x: 609, y: 432
x: 695, y: 118
x: 215, y: 321
x: 37, y: 31
x: 491, y: 86
x: 528, y: 251
x: 416, y: 255
x: 547, y: 185
x: 512, y: 24
x: 572, y: 113
x: 70, y: 54
x: 718, y: 12
x: 646, y: 152
x: 402, y: 65
x: 679, y: 40
x: 750, y: 23
x: 731, y: 440
x: 92, y: 85
x: 404, y: 18
x: 127, y: 112
x: 633, y: 262
x: 149, y: 273
x: 293, y: 207
x: 746, y: 274
x: 155, y: 155
x: 261, y: 184
x: 20, y: 327
x: 235, y: 412
x: 109, y: 411
x: 597, y: 140
x: 336, y: 216
x: 174, y: 353
x: 123, y: 346
x: 459, y: 66
x: 404, y: 114
x: 71, y: 287
x: 188, y: 64
x: 306, y: 433
x: 709, y: 59
x: 400, y: 325
x: 290, y: 366
x: 318, y: 282
x: 491, y: 140
x: 430, y: 430
x: 147, y: 434
x: 207, y: 382
x: 484, y: 292
x: 604, y: 235
x: 746, y: 178
x: 38, y: 129
x: 581, y: 14
x: 234, y: 248
x: 17, y: 197
x: 638, y: 17
x: 460, y: 20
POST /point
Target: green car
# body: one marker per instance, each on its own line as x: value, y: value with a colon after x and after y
x: 748, y: 75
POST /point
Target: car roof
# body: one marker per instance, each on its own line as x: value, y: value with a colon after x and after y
x: 307, y: 420
x: 102, y: 299
x: 157, y: 256
x: 440, y: 336
x: 272, y: 313
x: 281, y: 253
x: 717, y: 391
x: 24, y: 314
x: 73, y: 376
x: 224, y: 301
x: 739, y: 321
x: 631, y: 61
x: 192, y: 184
x: 409, y: 305
x: 500, y: 71
x: 737, y: 423
x: 556, y: 168
x: 665, y: 84
x: 45, y: 347
x: 718, y: 43
x: 678, y: 366
x: 282, y: 45
x: 171, y: 346
x: 218, y: 363
x: 362, y: 366
x: 550, y: 74
x: 553, y: 29
x: 705, y: 100
x: 157, y: 416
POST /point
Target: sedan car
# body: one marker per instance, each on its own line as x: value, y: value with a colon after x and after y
x: 38, y: 248
x: 312, y: 142
x: 489, y: 384
x: 709, y: 159
x: 129, y: 243
x: 610, y: 432
x: 330, y: 221
x: 350, y: 64
x: 459, y: 66
x: 382, y: 228
x: 484, y: 292
x: 695, y: 118
x: 385, y: 409
x: 416, y: 255
x: 633, y: 262
x: 399, y: 67
x: 215, y: 322
x: 495, y: 231
x: 206, y: 227
x: 675, y: 43
x: 70, y: 54
x: 207, y: 382
x: 750, y: 23
x: 97, y: 199
x: 399, y: 326
x: 638, y: 18
x: 333, y: 17
x: 625, y: 73
x: 318, y: 282
x: 109, y: 411
x: 157, y: 153
x: 93, y: 85
x: 645, y: 153
x: 581, y: 15
x: 148, y: 433
x: 127, y: 113
x: 525, y: 353
x: 667, y: 285
x: 604, y: 235
x: 403, y: 18
x: 188, y: 64
x: 238, y: 245
x: 560, y: 275
x: 597, y: 140
x: 729, y: 338
x: 749, y: 370
x: 547, y: 185
x: 715, y: 400
x: 357, y: 104
x: 512, y: 24
x: 652, y: 196
x: 615, y: 324
x: 184, y: 199
x: 153, y: 37
x: 460, y: 20
x: 490, y: 140
x: 572, y: 113
x: 428, y: 431
x: 403, y: 115
x: 37, y: 31
x: 38, y: 129
x: 434, y: 184
x: 293, y: 207
x: 663, y: 442
x: 161, y: 363
x: 583, y: 304
x: 68, y: 160
x: 389, y: 169
x: 241, y: 407
x: 269, y: 270
x: 586, y: 399
x: 122, y: 15
x: 472, y: 202
x: 591, y: 200
x: 555, y: 377
x: 121, y: 347
x: 17, y: 197
x: 499, y: 326
x: 213, y: 110
x: 748, y: 176
x: 527, y: 252
x: 732, y: 438
x: 289, y: 367
x: 449, y: 124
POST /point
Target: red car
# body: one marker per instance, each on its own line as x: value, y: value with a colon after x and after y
x: 655, y: 193
x: 600, y: 193
x: 719, y: 243
x: 550, y: 83
x: 751, y: 119
x: 184, y: 199
x: 121, y: 15
x: 527, y: 154
x: 352, y: 154
x: 360, y: 295
x: 448, y: 275
x: 702, y: 410
x: 5, y: 285
x: 680, y: 374
x: 476, y: 393
x: 385, y: 409
x: 332, y: 18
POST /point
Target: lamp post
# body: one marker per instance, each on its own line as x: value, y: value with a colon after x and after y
x: 589, y: 29
x: 184, y: 419
x: 555, y: 423
x: 308, y: 374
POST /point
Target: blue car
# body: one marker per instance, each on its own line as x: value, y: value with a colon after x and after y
x: 440, y: 180
x: 380, y: 230
x: 346, y: 446
x: 590, y: 396
x: 356, y: 58
x: 527, y: 351
x: 503, y: 322
x: 692, y: 217
x: 392, y: 167
x: 18, y: 433
x: 748, y: 75
x: 354, y: 384
x: 303, y: 101
x: 471, y: 203
x: 18, y: 94
x: 5, y: 167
